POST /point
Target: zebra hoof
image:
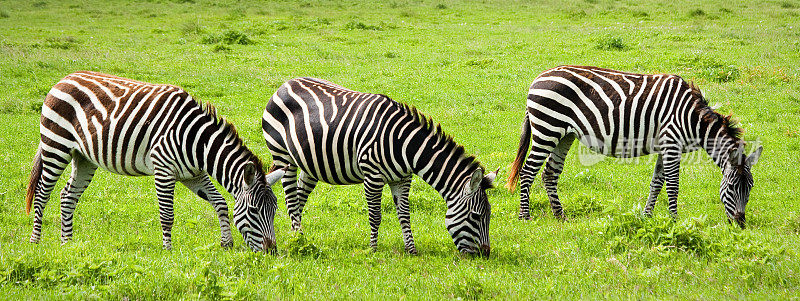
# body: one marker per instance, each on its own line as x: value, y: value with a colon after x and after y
x: 34, y: 240
x: 412, y: 251
x: 524, y: 217
x: 227, y: 244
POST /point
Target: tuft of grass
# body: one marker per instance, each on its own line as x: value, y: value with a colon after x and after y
x: 640, y: 14
x: 482, y: 63
x: 64, y: 43
x: 441, y: 6
x: 358, y: 25
x: 230, y: 37
x: 789, y: 5
x: 469, y: 288
x: 711, y: 69
x: 301, y: 246
x: 611, y: 43
x: 192, y: 27
x: 4, y: 14
x: 39, y: 4
x: 221, y: 48
x: 632, y: 230
x: 581, y: 206
x: 697, y: 13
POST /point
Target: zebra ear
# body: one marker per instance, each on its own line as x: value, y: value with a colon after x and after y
x: 489, y: 179
x: 735, y: 155
x: 753, y: 158
x: 249, y: 174
x: 475, y: 180
x: 274, y: 176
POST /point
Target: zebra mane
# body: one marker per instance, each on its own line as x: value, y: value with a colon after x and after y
x: 229, y: 130
x: 428, y: 124
x: 707, y: 114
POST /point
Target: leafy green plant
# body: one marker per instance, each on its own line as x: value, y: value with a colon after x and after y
x: 65, y: 43
x: 300, y: 246
x: 229, y: 37
x: 611, y: 43
x: 711, y: 69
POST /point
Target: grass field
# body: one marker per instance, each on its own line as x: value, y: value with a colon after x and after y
x: 466, y: 64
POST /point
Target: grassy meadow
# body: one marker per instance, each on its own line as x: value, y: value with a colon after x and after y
x: 467, y: 64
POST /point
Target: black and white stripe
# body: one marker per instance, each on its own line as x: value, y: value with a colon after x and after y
x: 627, y: 115
x: 324, y: 132
x: 136, y: 129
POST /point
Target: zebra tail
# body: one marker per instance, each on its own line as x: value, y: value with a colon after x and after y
x: 522, y: 151
x: 36, y: 175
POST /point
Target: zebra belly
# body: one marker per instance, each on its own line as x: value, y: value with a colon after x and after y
x: 621, y: 148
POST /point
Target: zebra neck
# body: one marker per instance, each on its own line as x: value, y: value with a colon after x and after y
x: 223, y: 156
x: 441, y: 163
x: 718, y: 147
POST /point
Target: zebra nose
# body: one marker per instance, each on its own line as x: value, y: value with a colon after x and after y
x: 269, y: 246
x: 739, y: 218
x: 485, y: 249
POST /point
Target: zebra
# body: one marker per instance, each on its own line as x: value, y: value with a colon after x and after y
x: 320, y: 131
x: 628, y: 115
x: 138, y: 129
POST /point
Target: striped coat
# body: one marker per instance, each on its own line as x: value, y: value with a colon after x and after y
x: 324, y: 132
x: 138, y: 129
x: 624, y: 115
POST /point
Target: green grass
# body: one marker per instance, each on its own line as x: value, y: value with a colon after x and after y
x: 466, y: 64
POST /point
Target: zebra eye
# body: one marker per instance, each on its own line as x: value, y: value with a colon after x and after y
x: 474, y: 215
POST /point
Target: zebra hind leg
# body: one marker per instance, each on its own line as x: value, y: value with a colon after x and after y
x: 82, y: 173
x: 538, y: 153
x: 655, y: 186
x: 373, y: 186
x: 552, y: 170
x: 202, y: 186
x: 52, y: 166
x: 400, y: 195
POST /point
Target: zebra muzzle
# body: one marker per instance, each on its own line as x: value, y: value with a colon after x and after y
x: 269, y: 246
x: 739, y: 219
x: 484, y: 251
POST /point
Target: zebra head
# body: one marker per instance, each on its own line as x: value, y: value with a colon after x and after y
x: 255, y: 207
x: 468, y: 219
x: 737, y: 182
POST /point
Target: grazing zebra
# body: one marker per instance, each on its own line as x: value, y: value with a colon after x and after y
x: 340, y: 136
x: 627, y: 115
x: 136, y: 129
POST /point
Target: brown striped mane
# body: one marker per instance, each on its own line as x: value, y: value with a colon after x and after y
x: 428, y: 124
x: 230, y: 130
x: 708, y: 114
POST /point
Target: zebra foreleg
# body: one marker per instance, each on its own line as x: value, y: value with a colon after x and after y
x: 165, y: 190
x: 202, y: 186
x: 82, y: 173
x: 672, y: 160
x: 552, y: 170
x: 373, y: 186
x: 400, y: 195
x: 303, y: 186
x: 655, y: 186
x: 532, y: 165
x: 51, y: 169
